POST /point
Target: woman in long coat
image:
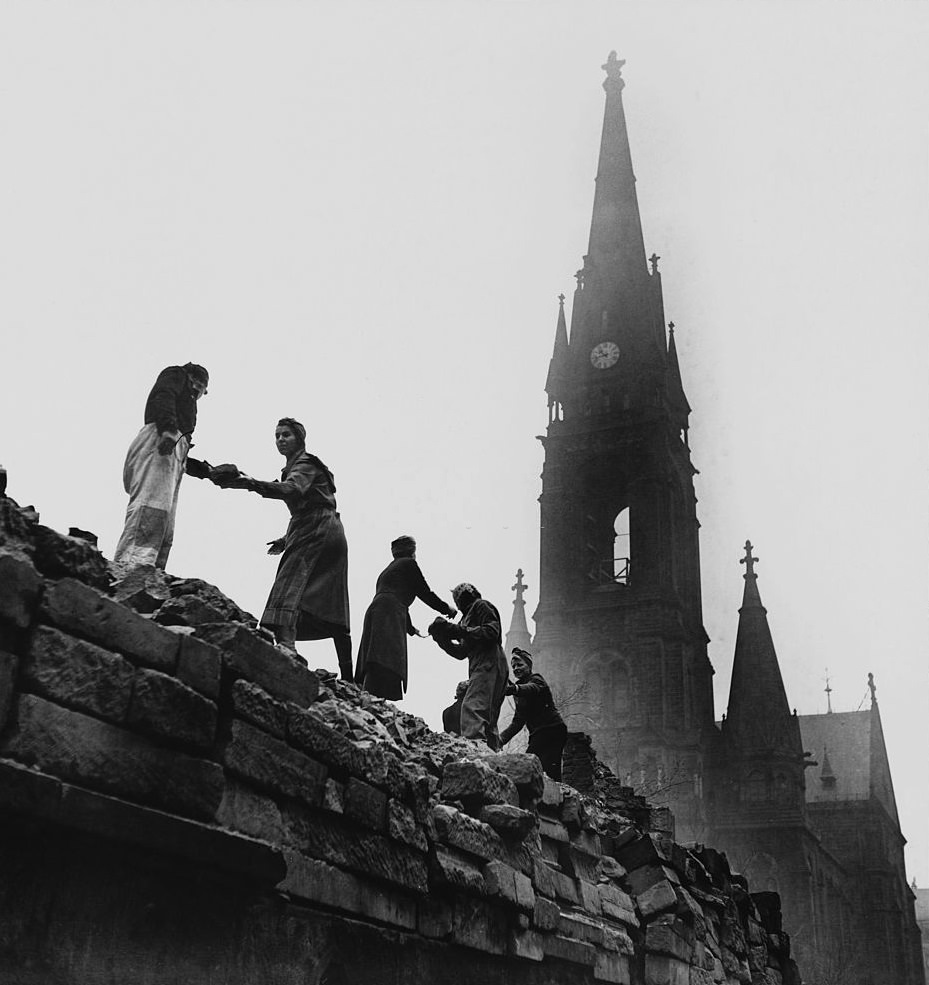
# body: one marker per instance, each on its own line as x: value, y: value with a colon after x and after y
x: 382, y: 655
x: 309, y: 598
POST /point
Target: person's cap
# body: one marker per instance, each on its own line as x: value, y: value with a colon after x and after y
x: 403, y: 543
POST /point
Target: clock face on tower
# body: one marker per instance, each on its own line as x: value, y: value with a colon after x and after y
x: 604, y: 355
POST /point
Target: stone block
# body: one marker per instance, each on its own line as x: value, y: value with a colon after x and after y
x: 578, y: 952
x: 328, y: 838
x: 658, y: 898
x: 324, y: 884
x: 246, y: 654
x: 618, y: 940
x: 589, y: 896
x: 474, y: 783
x: 546, y: 914
x: 611, y: 869
x: 669, y: 935
x: 500, y: 881
x: 466, y: 833
x: 78, y: 674
x: 451, y: 869
x: 383, y: 769
x: 525, y: 894
x: 334, y: 796
x: 646, y: 876
x: 509, y: 822
x: 553, y: 883
x: 254, y: 705
x: 435, y: 918
x: 611, y: 967
x: 164, y: 707
x: 660, y: 969
x: 307, y: 731
x: 84, y: 750
x: 272, y: 765
x: 402, y: 826
x: 523, y: 770
x: 588, y: 842
x: 480, y: 927
x: 198, y: 666
x: 578, y: 863
x: 20, y: 587
x: 553, y: 830
x: 366, y: 805
x: 551, y: 795
x: 580, y: 928
x: 9, y: 667
x: 572, y: 812
x: 526, y: 944
x: 79, y: 609
x: 60, y: 556
x: 242, y: 809
x: 649, y: 849
x: 617, y: 905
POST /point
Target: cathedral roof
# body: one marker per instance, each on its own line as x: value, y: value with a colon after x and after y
x: 857, y: 757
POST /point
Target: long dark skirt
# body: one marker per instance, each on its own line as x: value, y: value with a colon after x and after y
x: 382, y: 653
x: 310, y: 590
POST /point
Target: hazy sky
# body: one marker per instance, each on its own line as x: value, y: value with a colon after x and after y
x: 361, y: 215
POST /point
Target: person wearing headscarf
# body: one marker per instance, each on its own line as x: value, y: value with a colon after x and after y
x: 536, y: 711
x: 155, y: 465
x: 382, y: 655
x: 309, y: 597
x: 476, y: 638
x: 451, y: 716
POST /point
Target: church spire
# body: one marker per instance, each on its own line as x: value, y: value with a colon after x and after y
x: 518, y: 634
x: 616, y: 250
x: 758, y: 713
x: 557, y: 368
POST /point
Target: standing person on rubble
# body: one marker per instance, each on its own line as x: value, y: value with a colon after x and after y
x: 477, y: 638
x: 536, y: 711
x: 155, y: 465
x: 309, y: 597
x: 382, y: 654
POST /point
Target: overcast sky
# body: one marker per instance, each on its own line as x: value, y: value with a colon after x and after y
x: 361, y: 215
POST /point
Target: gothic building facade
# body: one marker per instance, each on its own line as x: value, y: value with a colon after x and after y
x: 803, y: 806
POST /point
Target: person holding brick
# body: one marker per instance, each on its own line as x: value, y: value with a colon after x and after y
x: 155, y: 464
x: 476, y: 638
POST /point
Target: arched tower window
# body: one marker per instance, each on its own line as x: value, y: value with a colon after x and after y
x: 622, y: 554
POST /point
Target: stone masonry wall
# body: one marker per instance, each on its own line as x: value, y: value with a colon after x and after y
x: 181, y: 802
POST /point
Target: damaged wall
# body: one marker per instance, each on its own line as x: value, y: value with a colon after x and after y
x: 179, y: 801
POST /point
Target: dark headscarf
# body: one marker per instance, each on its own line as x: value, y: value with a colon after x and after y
x: 404, y: 544
x: 518, y: 651
x: 197, y: 372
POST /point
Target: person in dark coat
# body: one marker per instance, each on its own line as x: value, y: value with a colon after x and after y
x: 476, y: 638
x: 155, y: 465
x: 309, y: 597
x: 536, y: 711
x: 382, y: 656
x: 451, y: 716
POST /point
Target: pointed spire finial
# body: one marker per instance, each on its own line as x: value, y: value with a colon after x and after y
x: 828, y: 691
x: 561, y: 300
x: 653, y: 260
x: 749, y: 561
x: 671, y: 327
x: 520, y: 586
x: 872, y: 688
x: 614, y: 71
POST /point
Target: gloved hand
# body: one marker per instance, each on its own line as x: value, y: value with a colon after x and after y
x: 276, y: 546
x: 197, y: 468
x: 167, y: 441
x: 511, y: 688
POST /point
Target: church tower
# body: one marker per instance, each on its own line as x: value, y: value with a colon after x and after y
x: 619, y: 621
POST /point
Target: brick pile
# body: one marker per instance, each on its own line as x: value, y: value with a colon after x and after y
x: 193, y: 738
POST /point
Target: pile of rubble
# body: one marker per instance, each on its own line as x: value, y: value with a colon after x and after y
x: 150, y: 711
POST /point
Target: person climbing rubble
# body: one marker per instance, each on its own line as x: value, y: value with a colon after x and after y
x: 155, y: 465
x: 477, y: 639
x: 536, y: 711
